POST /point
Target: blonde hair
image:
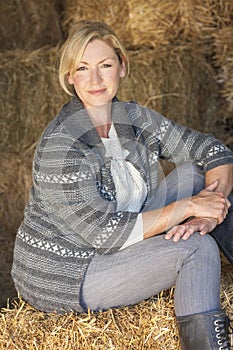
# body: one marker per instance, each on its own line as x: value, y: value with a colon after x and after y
x: 81, y: 33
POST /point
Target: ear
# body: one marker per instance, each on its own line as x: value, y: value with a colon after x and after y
x: 70, y: 79
x: 123, y: 69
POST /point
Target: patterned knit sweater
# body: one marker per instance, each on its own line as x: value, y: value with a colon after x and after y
x: 72, y: 211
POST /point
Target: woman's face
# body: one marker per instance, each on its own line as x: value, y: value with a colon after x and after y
x: 96, y: 79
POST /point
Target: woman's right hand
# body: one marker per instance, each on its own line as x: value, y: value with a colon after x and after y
x: 208, y: 203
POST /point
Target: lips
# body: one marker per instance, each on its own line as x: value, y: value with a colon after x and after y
x: 97, y: 92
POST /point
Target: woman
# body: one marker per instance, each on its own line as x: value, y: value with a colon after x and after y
x: 101, y: 228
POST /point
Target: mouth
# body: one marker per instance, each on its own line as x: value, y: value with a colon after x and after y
x: 97, y: 92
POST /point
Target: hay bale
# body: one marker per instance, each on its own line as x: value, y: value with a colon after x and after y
x: 114, y: 13
x: 178, y: 82
x: 29, y: 24
x: 148, y: 325
x: 7, y: 289
x: 161, y: 79
x: 30, y: 96
x: 223, y: 61
x: 148, y: 23
x: 153, y: 23
x: 222, y: 12
x: 15, y: 182
x: 227, y: 286
x: 145, y: 326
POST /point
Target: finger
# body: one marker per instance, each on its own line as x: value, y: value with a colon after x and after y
x: 177, y: 237
x: 179, y: 233
x: 189, y: 232
x: 222, y: 216
x: 228, y: 203
x: 178, y: 229
x: 212, y: 186
x: 204, y: 231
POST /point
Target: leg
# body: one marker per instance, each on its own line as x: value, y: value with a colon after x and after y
x: 209, y: 330
x: 223, y: 235
x: 148, y: 267
x: 187, y: 180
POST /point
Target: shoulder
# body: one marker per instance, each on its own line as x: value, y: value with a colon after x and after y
x: 65, y: 120
x: 141, y: 115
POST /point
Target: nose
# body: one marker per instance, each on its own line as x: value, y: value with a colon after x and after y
x: 95, y: 76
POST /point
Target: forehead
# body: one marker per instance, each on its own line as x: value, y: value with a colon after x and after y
x: 97, y: 50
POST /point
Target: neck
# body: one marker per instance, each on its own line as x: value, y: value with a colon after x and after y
x: 101, y: 118
x: 103, y: 130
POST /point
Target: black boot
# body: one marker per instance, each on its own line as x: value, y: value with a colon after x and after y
x: 204, y: 331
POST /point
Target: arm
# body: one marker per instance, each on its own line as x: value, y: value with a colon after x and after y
x: 180, y: 144
x: 224, y: 175
x: 207, y: 203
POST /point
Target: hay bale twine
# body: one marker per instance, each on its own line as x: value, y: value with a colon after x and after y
x: 30, y: 96
x: 29, y: 24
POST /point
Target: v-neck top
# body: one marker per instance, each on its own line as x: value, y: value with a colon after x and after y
x: 131, y: 189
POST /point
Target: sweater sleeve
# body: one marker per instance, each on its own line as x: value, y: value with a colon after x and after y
x: 73, y: 187
x: 179, y: 144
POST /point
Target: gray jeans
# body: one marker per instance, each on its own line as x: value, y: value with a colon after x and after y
x: 155, y: 264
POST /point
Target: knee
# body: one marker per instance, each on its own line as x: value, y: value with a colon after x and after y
x: 206, y: 247
x: 191, y: 174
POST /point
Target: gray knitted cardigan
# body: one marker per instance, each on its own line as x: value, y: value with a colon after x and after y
x: 71, y: 214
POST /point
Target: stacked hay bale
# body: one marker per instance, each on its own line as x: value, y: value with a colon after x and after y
x: 223, y: 63
x: 149, y: 325
x: 29, y: 98
x: 181, y: 57
x: 29, y: 24
x: 169, y: 44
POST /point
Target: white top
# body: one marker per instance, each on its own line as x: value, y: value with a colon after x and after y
x: 131, y: 189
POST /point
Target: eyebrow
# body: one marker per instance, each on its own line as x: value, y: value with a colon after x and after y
x: 105, y: 59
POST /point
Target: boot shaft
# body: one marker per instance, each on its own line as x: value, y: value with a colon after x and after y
x: 204, y: 331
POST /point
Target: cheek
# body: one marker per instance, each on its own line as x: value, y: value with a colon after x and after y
x: 78, y: 82
x: 114, y: 78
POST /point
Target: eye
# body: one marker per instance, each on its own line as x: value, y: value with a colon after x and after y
x: 106, y: 65
x: 81, y: 68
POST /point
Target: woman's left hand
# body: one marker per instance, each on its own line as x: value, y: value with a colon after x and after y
x: 184, y: 231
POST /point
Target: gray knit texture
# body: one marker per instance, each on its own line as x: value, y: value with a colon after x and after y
x: 71, y: 214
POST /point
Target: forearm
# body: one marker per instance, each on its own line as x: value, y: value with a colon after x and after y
x: 207, y: 203
x: 160, y: 220
x: 224, y: 175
